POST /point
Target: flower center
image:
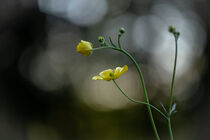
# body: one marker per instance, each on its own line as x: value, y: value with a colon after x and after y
x: 111, y: 74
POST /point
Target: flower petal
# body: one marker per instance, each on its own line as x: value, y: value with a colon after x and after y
x: 107, y: 74
x: 97, y: 78
x: 124, y: 69
x: 119, y: 71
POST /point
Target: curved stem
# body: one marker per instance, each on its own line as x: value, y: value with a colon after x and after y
x: 139, y: 102
x: 143, y: 85
x: 119, y: 36
x: 112, y: 42
x: 145, y: 92
x: 173, y: 77
x: 172, y: 89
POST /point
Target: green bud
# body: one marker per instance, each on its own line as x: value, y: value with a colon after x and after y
x: 101, y: 39
x: 177, y: 33
x: 171, y: 29
x: 122, y: 30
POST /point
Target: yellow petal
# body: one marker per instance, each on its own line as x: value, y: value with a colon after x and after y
x: 124, y: 69
x: 119, y: 71
x: 107, y: 74
x: 97, y: 78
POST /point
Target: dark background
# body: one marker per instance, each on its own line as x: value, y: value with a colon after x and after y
x: 46, y: 91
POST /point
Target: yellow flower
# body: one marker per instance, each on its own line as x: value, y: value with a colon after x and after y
x: 111, y: 74
x: 85, y: 48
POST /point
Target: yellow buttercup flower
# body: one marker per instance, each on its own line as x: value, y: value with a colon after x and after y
x: 111, y: 74
x: 85, y: 48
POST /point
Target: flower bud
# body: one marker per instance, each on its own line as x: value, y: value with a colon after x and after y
x: 85, y: 48
x: 101, y: 39
x: 122, y: 30
x: 177, y: 33
x: 171, y: 29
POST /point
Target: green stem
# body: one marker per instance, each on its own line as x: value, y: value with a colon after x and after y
x: 139, y: 102
x: 108, y: 47
x: 143, y: 85
x: 170, y: 129
x: 172, y: 89
x: 145, y: 93
x: 173, y: 77
x: 112, y: 42
x: 119, y: 36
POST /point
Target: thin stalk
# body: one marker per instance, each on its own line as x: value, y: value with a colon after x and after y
x: 112, y: 42
x: 170, y: 129
x: 172, y: 89
x: 139, y: 102
x: 108, y: 47
x: 173, y: 77
x: 142, y: 82
x: 119, y: 36
x: 145, y: 93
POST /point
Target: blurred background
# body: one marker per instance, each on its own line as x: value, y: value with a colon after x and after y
x: 46, y: 91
